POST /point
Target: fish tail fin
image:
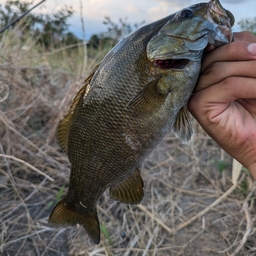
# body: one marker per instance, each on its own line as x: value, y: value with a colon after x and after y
x: 62, y: 214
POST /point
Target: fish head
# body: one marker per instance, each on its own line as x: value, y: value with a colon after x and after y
x: 188, y: 32
x: 176, y: 50
x: 175, y: 53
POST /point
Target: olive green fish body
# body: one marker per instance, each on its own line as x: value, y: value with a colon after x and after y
x: 127, y: 105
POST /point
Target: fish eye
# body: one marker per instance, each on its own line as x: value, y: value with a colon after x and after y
x: 185, y: 14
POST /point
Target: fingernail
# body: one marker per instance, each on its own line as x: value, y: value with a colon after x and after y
x: 252, y: 48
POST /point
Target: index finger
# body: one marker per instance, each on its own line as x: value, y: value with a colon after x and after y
x: 235, y: 51
x: 245, y: 36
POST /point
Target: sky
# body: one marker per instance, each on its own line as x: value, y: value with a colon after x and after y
x: 135, y: 11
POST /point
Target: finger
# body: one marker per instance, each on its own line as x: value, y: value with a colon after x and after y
x: 249, y: 104
x: 235, y: 51
x: 219, y: 71
x: 218, y: 96
x: 245, y: 36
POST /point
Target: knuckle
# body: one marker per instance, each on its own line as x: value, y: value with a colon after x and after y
x: 228, y: 82
x: 194, y: 104
x: 212, y: 69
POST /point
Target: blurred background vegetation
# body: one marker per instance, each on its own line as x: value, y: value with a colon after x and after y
x: 52, y: 30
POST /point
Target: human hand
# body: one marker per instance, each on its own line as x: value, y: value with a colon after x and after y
x: 224, y: 100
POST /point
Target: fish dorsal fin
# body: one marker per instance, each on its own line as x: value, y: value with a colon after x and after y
x: 182, y: 126
x: 62, y: 214
x: 129, y: 191
x: 64, y: 124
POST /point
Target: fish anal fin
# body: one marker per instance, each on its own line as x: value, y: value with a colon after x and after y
x: 64, y: 124
x: 129, y: 191
x: 64, y: 215
x: 182, y: 126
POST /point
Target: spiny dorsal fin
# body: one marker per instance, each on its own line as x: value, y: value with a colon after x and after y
x: 182, y: 126
x: 130, y: 191
x: 64, y: 215
x: 64, y: 124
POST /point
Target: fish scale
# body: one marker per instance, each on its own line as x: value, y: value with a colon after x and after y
x: 126, y: 106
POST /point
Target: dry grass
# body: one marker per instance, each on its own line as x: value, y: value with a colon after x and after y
x: 191, y: 206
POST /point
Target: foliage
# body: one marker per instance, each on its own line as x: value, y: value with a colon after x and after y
x: 222, y: 165
x: 248, y: 24
x: 55, y: 26
x: 51, y: 30
x: 115, y: 32
x: 101, y: 42
x: 119, y: 30
x: 12, y: 10
x: 104, y: 230
x: 59, y: 195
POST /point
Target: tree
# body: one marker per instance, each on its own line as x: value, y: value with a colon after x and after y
x: 51, y: 30
x: 54, y: 27
x: 94, y: 42
x: 117, y: 31
x: 248, y: 24
x: 12, y: 10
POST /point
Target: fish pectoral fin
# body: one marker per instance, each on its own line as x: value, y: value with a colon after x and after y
x: 147, y: 97
x: 64, y: 215
x: 182, y: 126
x: 130, y: 191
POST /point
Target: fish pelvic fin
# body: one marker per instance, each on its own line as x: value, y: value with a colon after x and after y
x: 65, y: 123
x: 129, y: 191
x: 182, y: 126
x: 62, y: 214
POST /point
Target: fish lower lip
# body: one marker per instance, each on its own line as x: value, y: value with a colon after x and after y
x: 171, y: 63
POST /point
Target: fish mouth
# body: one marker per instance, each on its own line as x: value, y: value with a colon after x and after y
x: 220, y: 15
x: 223, y: 19
x: 171, y: 63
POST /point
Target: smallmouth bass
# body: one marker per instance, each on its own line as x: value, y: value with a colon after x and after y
x: 128, y: 103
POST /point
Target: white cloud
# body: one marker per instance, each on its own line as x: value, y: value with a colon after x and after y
x: 130, y: 9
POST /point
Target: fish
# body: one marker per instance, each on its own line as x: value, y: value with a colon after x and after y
x: 128, y: 103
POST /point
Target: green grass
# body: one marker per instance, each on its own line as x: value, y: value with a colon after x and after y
x: 222, y: 165
x: 59, y: 195
x: 104, y: 230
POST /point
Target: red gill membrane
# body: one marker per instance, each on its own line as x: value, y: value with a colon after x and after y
x: 171, y: 63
